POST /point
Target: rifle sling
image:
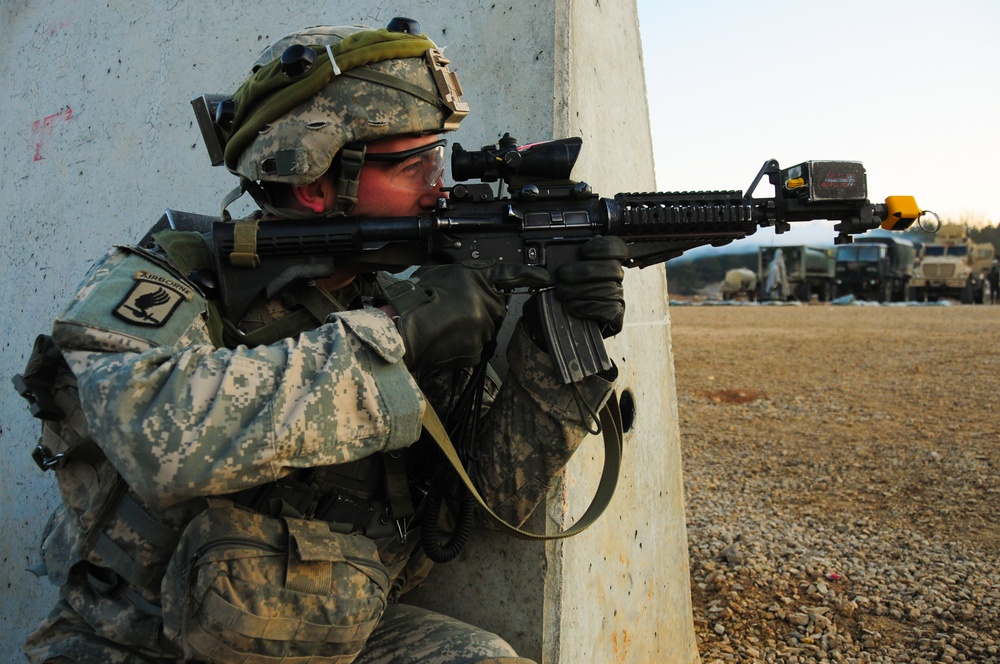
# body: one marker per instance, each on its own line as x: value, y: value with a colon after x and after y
x: 245, y: 243
x: 611, y: 425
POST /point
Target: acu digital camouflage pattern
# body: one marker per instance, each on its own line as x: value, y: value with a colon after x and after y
x: 412, y: 634
x: 242, y: 583
x: 403, y: 630
x: 303, y: 142
x: 181, y: 419
x: 214, y: 421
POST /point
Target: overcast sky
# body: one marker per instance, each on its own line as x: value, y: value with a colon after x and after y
x: 910, y: 88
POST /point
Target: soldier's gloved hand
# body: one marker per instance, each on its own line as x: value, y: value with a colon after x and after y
x: 447, y: 313
x: 592, y: 286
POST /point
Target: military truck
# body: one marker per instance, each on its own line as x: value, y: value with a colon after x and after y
x: 809, y: 270
x: 876, y: 268
x: 953, y: 266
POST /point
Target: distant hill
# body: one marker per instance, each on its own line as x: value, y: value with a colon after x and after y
x: 813, y: 233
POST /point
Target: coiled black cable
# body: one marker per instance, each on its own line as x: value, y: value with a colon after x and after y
x: 440, y: 545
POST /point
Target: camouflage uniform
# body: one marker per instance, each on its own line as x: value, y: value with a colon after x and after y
x: 180, y: 418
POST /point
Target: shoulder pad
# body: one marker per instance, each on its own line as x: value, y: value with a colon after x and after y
x: 179, y: 221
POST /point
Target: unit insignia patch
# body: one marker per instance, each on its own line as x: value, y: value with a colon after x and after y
x: 152, y: 300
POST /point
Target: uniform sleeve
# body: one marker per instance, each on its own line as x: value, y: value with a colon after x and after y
x: 532, y: 429
x: 180, y: 418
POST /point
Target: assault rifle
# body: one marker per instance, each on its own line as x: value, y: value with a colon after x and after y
x: 542, y: 221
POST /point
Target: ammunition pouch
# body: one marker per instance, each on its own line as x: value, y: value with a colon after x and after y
x: 243, y: 586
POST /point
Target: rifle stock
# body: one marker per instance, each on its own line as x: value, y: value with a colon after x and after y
x: 542, y: 223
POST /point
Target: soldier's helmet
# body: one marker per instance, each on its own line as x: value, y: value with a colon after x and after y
x: 323, y: 92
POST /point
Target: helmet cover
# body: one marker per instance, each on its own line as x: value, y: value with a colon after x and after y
x: 289, y: 128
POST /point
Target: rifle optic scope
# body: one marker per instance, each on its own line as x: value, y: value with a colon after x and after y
x: 550, y: 160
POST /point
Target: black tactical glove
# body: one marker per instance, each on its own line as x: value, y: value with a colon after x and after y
x: 592, y: 286
x: 447, y: 313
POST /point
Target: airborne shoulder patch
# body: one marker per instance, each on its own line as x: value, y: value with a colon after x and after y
x: 152, y: 299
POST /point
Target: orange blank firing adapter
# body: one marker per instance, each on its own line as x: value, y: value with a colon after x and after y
x: 902, y: 212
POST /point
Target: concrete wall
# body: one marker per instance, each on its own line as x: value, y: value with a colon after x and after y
x: 98, y: 138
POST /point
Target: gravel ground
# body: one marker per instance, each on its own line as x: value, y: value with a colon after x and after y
x: 841, y: 476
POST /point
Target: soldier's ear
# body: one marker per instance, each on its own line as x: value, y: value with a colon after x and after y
x: 319, y: 196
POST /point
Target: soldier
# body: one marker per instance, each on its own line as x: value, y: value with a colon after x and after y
x: 776, y: 284
x: 256, y: 488
x: 994, y: 280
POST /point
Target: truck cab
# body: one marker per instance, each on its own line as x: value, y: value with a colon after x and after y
x: 954, y: 266
x: 876, y: 268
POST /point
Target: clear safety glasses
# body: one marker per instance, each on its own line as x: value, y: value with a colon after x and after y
x: 418, y: 169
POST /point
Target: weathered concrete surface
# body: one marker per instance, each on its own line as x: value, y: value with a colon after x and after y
x: 98, y: 139
x: 619, y: 592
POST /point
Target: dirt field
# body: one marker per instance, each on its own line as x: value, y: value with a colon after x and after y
x: 851, y: 453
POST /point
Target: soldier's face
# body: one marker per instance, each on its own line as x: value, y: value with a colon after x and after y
x: 407, y: 184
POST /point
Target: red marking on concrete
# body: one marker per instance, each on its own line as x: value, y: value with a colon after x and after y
x: 58, y: 27
x: 43, y: 128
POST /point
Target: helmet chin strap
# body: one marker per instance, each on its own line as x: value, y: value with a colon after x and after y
x: 352, y: 158
x: 263, y: 200
x: 237, y: 193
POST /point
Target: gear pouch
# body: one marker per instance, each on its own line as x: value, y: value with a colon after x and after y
x: 245, y: 587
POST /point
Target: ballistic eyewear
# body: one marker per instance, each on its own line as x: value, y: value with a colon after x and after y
x: 417, y: 169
